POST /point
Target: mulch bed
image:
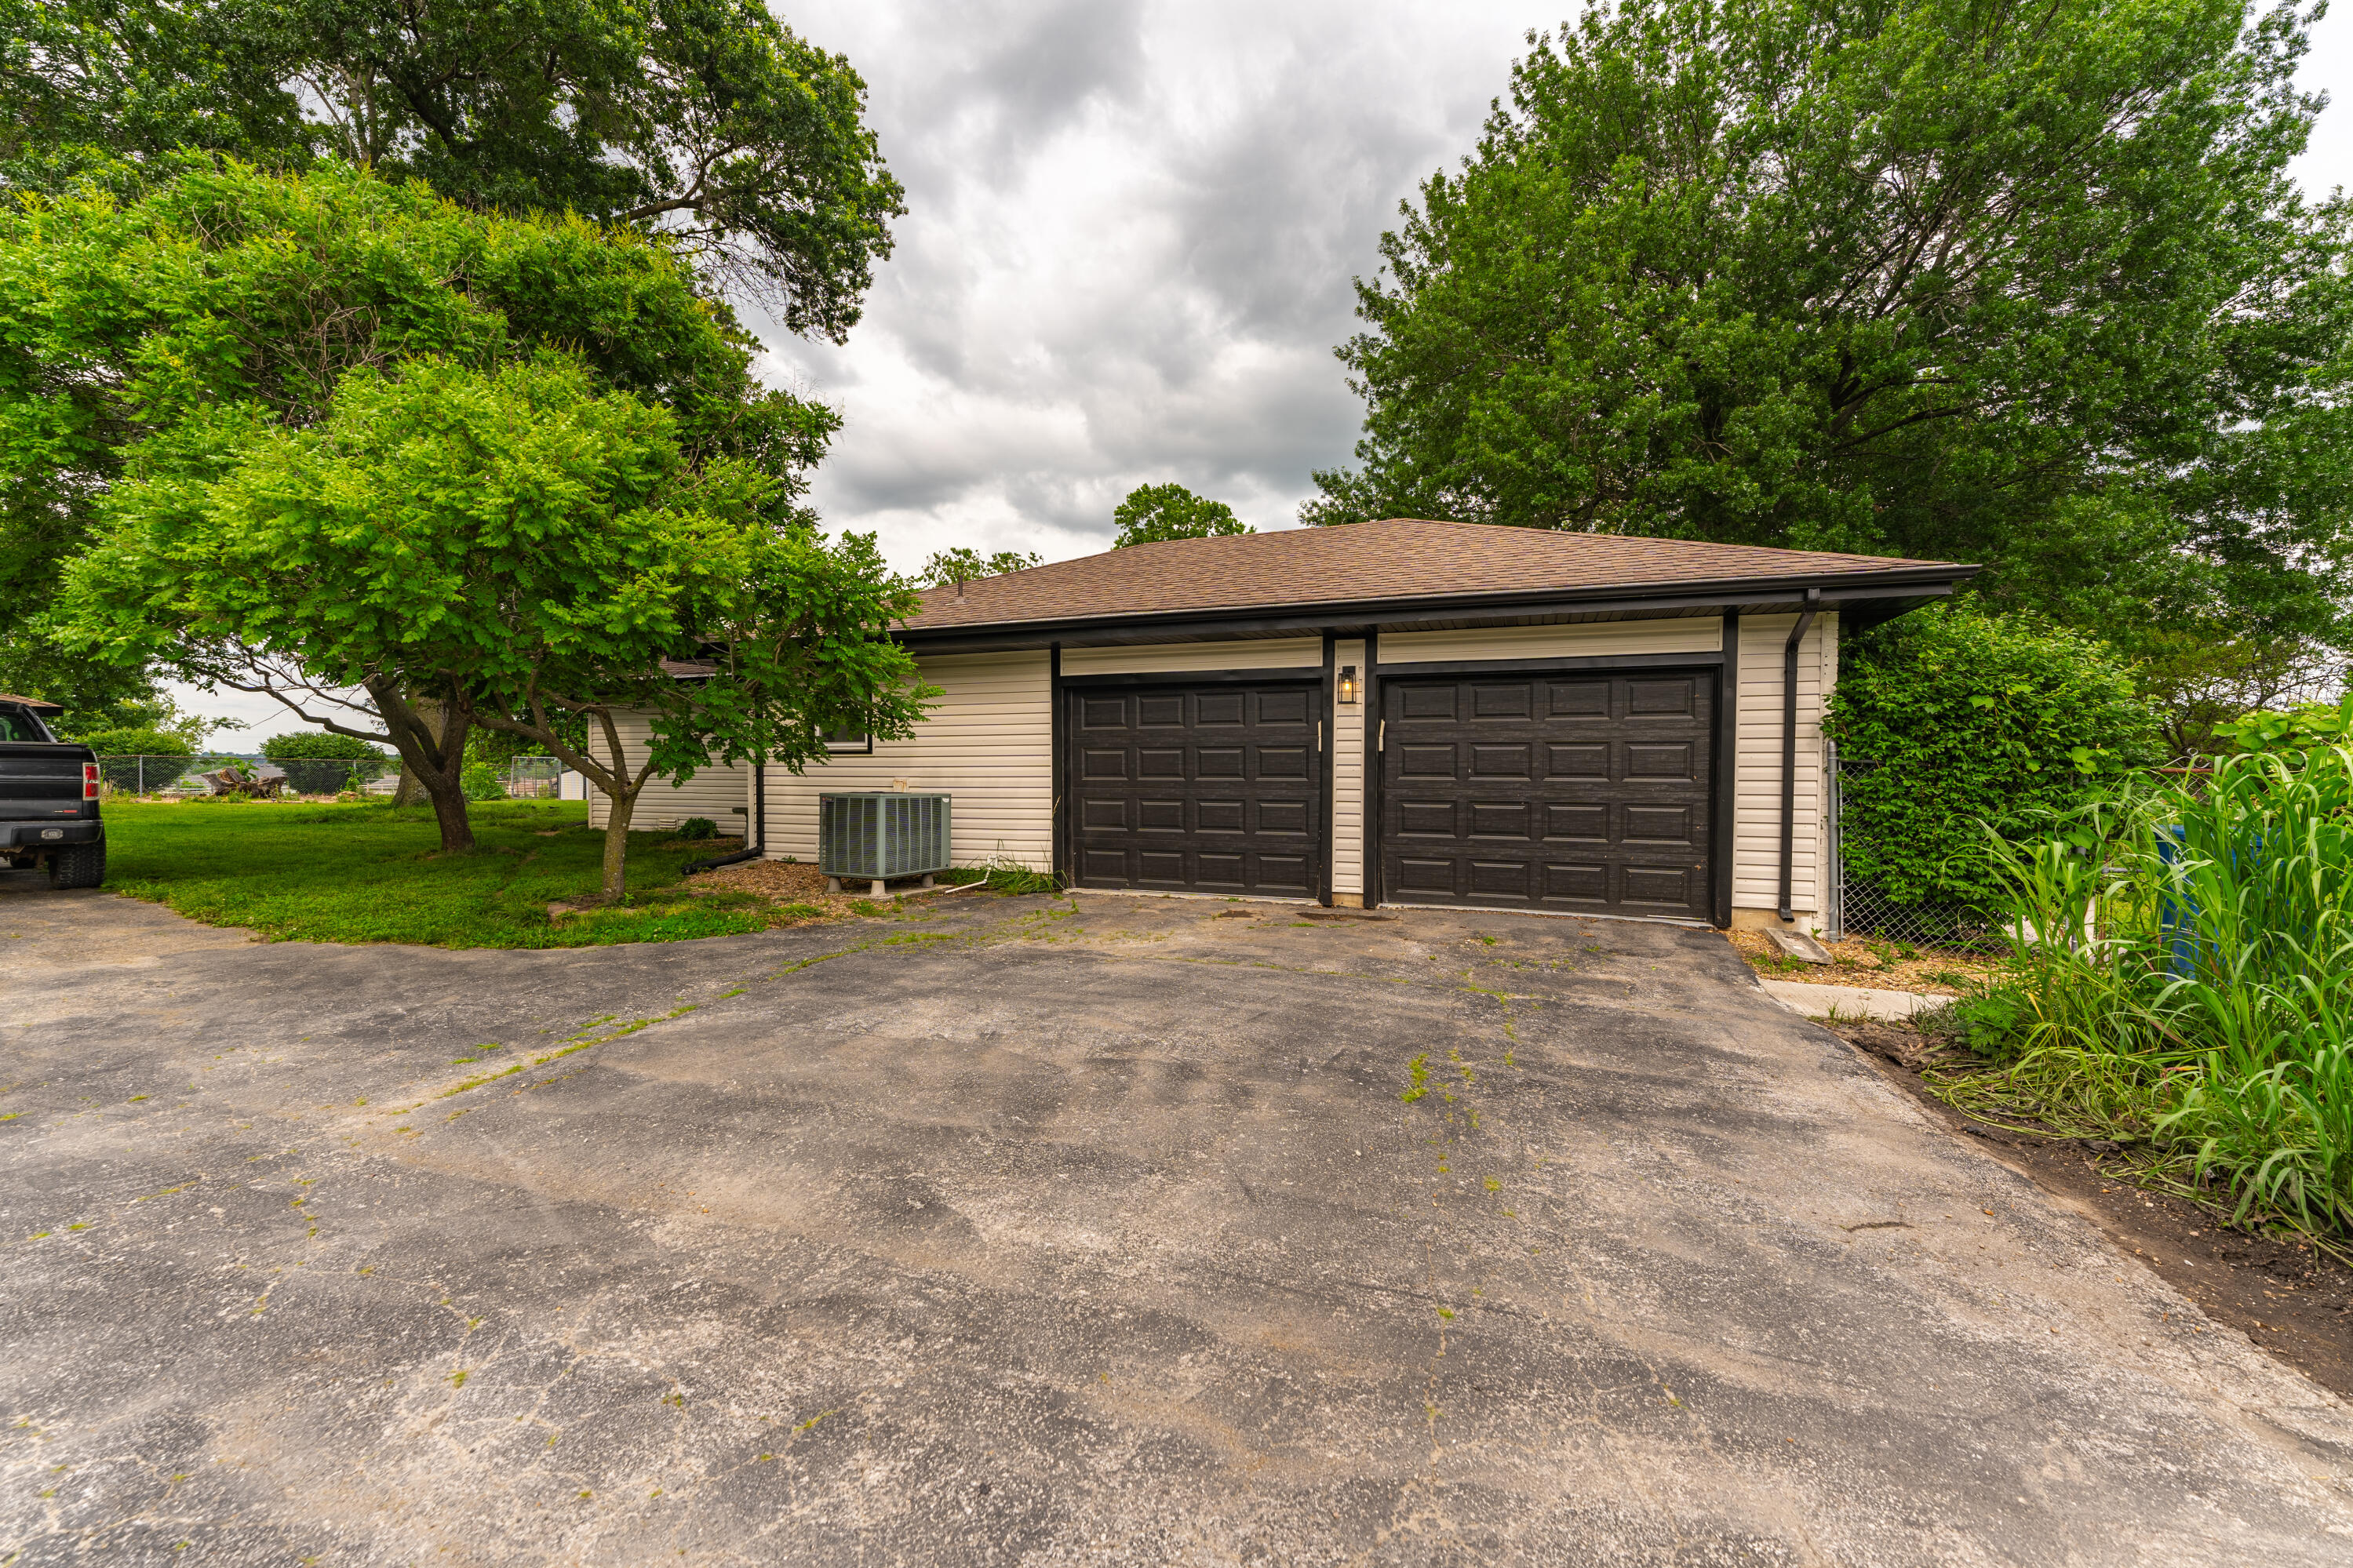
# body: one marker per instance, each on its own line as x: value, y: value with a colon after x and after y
x: 795, y: 882
x: 2293, y: 1300
x: 1860, y: 962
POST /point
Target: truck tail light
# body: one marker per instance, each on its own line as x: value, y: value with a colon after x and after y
x: 90, y: 781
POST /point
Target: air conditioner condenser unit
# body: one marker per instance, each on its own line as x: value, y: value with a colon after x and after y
x: 877, y: 835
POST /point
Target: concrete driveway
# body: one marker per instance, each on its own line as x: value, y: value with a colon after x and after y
x: 1114, y: 1231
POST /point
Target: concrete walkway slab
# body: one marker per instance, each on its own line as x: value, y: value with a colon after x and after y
x: 1812, y: 1000
x: 1105, y: 1231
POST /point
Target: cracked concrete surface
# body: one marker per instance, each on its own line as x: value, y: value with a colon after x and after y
x: 1115, y: 1231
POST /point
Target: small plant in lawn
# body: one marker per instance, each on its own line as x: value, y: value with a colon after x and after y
x: 697, y: 828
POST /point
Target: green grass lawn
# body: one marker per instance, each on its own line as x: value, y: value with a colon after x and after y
x: 370, y: 873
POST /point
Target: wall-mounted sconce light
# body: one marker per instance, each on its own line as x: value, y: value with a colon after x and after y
x: 1347, y: 683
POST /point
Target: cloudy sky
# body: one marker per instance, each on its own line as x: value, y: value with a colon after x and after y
x: 1126, y: 257
x: 1130, y: 233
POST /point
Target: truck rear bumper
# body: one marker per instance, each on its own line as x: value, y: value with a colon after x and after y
x: 49, y: 835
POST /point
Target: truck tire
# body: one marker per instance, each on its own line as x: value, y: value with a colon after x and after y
x: 77, y: 866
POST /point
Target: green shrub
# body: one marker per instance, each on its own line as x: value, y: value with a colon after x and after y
x: 484, y: 780
x: 2297, y: 730
x: 317, y: 763
x: 697, y: 828
x: 2191, y: 987
x: 1973, y: 721
x: 141, y: 758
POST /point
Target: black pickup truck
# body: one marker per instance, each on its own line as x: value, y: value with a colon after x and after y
x: 49, y: 798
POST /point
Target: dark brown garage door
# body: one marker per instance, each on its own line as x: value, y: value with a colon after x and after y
x: 1564, y: 792
x: 1196, y: 788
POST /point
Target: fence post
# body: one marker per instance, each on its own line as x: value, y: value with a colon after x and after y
x: 143, y: 773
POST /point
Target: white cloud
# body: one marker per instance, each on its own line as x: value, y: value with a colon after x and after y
x: 1128, y: 251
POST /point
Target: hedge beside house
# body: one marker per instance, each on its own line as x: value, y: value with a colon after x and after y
x: 1973, y: 718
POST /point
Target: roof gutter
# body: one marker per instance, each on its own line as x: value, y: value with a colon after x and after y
x: 1790, y: 750
x: 1748, y: 592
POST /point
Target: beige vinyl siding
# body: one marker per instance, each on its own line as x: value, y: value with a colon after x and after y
x: 988, y: 741
x: 720, y: 794
x: 1756, y: 852
x: 1155, y: 659
x: 1348, y: 776
x: 1591, y: 639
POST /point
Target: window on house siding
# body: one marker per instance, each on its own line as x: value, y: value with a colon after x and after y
x: 843, y: 740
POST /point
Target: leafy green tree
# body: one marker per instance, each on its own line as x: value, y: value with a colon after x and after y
x: 316, y: 763
x: 1955, y: 720
x: 528, y: 548
x: 152, y: 337
x: 1154, y: 512
x: 142, y: 760
x: 707, y: 119
x: 2303, y: 726
x: 2028, y: 286
x: 963, y: 565
x: 706, y: 122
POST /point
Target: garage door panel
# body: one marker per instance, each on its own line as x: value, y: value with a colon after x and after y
x: 1283, y: 762
x: 1220, y: 869
x: 1427, y: 702
x: 1215, y: 788
x: 1660, y: 824
x: 1288, y: 816
x: 1495, y: 776
x: 1219, y: 816
x: 1284, y: 707
x: 1500, y: 881
x: 1163, y: 867
x: 1584, y: 882
x: 1426, y: 817
x: 1490, y: 761
x: 1662, y: 699
x: 1511, y: 702
x: 1423, y: 762
x: 1284, y: 873
x: 1218, y: 708
x: 1424, y: 878
x: 1658, y: 760
x: 1500, y: 819
x: 1576, y: 698
x: 1570, y: 820
x: 1665, y: 886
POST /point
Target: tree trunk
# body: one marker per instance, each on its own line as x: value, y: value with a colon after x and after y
x: 430, y: 735
x: 618, y: 812
x: 410, y: 786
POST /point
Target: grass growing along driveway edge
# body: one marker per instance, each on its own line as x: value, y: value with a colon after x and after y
x: 369, y: 872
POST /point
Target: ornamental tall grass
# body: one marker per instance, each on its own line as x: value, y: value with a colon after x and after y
x: 2181, y: 976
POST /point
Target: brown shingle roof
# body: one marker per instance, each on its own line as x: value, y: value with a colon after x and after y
x: 1366, y: 562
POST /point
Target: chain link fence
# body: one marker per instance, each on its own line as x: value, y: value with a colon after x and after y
x: 254, y: 777
x: 535, y: 778
x: 1861, y: 907
x: 247, y: 774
